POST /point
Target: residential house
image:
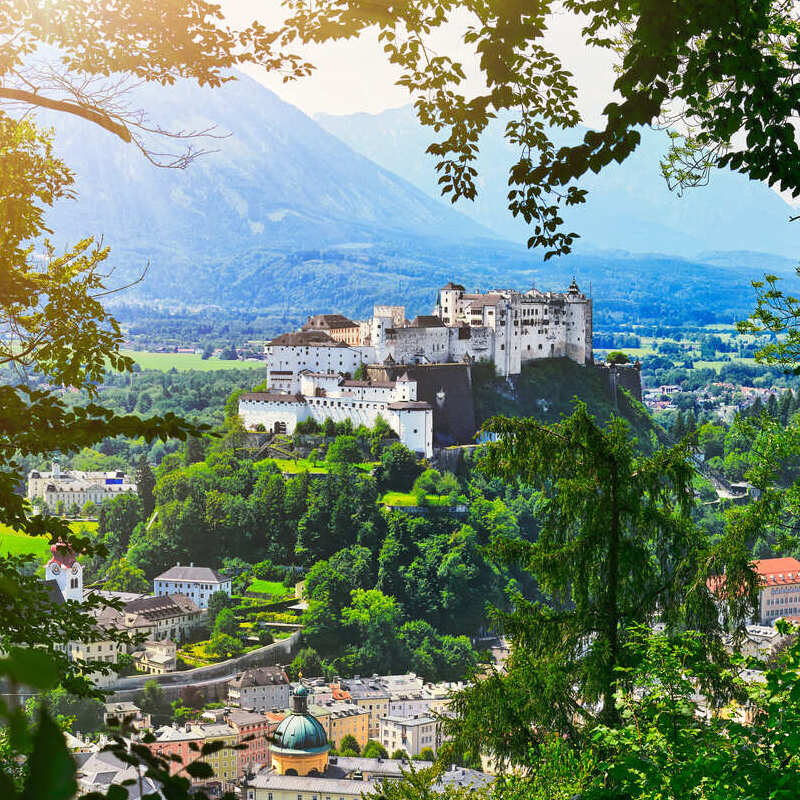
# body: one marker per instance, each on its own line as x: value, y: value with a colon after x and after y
x: 262, y: 688
x: 196, y: 583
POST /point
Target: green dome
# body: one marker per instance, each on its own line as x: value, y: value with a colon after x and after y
x: 301, y: 691
x: 300, y: 732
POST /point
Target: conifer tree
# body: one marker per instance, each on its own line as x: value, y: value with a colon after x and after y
x: 617, y: 546
x: 145, y: 484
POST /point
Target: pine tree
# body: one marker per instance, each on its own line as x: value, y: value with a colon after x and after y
x: 785, y: 407
x: 772, y: 407
x: 194, y: 451
x: 691, y: 421
x: 679, y: 427
x: 617, y: 546
x: 145, y: 484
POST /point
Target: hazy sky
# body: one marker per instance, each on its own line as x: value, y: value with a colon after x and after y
x: 354, y: 75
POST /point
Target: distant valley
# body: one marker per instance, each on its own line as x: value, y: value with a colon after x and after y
x: 290, y: 216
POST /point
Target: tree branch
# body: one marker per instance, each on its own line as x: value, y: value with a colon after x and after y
x: 98, y: 118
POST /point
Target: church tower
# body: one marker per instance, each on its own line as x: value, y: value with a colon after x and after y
x: 64, y: 569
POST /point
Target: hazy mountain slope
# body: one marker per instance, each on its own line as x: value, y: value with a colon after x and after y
x: 629, y: 206
x: 278, y: 182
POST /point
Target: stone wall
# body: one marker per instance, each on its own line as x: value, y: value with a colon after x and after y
x: 211, y: 680
x: 447, y: 387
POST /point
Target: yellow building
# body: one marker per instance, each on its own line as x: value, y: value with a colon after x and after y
x: 343, y: 719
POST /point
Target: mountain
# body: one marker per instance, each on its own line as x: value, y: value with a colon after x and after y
x: 275, y: 183
x: 285, y: 219
x: 629, y: 207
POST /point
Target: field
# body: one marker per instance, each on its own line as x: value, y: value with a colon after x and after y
x: 15, y: 544
x: 186, y: 361
x: 295, y: 465
x: 408, y: 499
x: 275, y: 588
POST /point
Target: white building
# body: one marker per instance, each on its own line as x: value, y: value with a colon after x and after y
x: 196, y: 583
x: 322, y: 396
x: 76, y: 487
x: 262, y: 689
x: 502, y: 326
x: 63, y: 580
x: 315, y: 351
x: 411, y: 734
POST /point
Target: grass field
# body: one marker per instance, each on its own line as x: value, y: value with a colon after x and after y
x: 16, y: 544
x: 275, y: 588
x: 186, y: 361
x: 408, y: 499
x: 295, y: 465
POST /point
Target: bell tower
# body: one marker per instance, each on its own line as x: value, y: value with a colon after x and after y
x: 64, y: 569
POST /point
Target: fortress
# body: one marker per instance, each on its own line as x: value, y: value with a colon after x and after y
x: 310, y: 372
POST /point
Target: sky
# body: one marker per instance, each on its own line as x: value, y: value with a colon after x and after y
x: 355, y: 76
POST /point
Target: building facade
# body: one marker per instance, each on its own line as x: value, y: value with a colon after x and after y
x: 196, y: 583
x: 411, y: 734
x: 74, y: 487
x: 322, y: 396
x: 780, y: 588
x: 263, y: 688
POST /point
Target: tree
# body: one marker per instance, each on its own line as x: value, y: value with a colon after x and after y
x: 398, y: 468
x: 225, y: 646
x: 400, y: 755
x: 725, y: 75
x: 145, y: 484
x: 374, y: 749
x: 616, y: 545
x: 425, y: 754
x: 121, y: 576
x: 350, y: 744
x: 344, y: 450
x: 361, y: 372
x: 226, y: 623
x: 117, y: 520
x: 152, y: 700
x: 617, y: 357
x: 52, y: 302
x: 307, y: 662
x: 194, y: 450
x: 83, y: 713
x: 89, y: 509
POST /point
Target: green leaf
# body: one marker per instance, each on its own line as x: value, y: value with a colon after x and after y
x: 199, y: 769
x: 33, y: 668
x: 52, y: 770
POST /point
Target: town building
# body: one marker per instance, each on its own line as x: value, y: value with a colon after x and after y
x: 196, y: 583
x: 341, y: 719
x: 125, y: 713
x: 370, y: 695
x: 300, y: 745
x: 353, y: 779
x: 63, y: 582
x: 780, y: 588
x: 339, y: 328
x: 411, y: 734
x: 76, y: 487
x: 156, y: 657
x: 171, y: 617
x: 102, y: 769
x: 254, y: 733
x: 260, y: 689
x: 178, y: 740
x: 322, y: 396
